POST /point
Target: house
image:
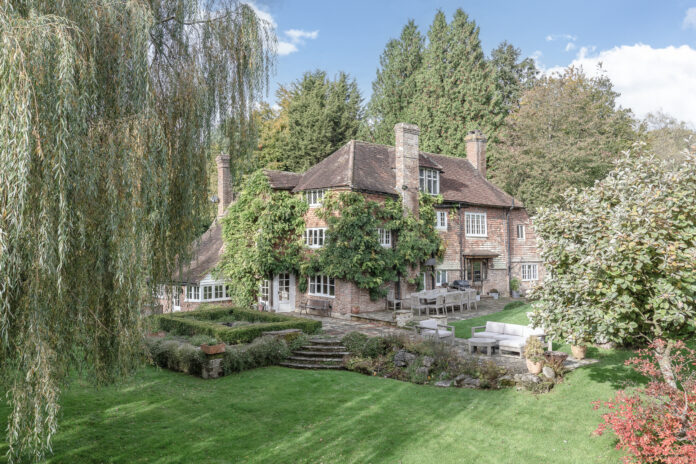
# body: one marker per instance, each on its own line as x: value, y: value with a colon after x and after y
x: 488, y: 236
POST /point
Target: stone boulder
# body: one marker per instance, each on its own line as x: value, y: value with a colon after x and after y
x: 428, y: 361
x: 403, y: 358
x: 548, y: 373
x: 467, y: 381
x: 443, y: 383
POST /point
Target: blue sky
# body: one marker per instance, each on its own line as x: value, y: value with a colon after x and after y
x: 647, y: 48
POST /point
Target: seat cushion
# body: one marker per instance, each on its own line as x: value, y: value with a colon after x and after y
x: 428, y: 324
x: 514, y: 329
x: 517, y: 343
x: 494, y: 335
x: 440, y: 333
x: 495, y: 327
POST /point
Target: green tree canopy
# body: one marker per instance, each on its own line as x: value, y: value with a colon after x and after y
x: 513, y: 74
x: 668, y: 137
x: 395, y: 86
x: 106, y: 114
x: 566, y: 133
x: 620, y: 257
x: 317, y: 115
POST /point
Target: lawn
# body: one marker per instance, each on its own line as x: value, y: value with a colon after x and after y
x: 280, y: 415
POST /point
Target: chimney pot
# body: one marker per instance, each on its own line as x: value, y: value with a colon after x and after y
x: 476, y: 150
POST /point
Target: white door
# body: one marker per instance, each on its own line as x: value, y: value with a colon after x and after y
x: 284, y: 292
x: 176, y: 299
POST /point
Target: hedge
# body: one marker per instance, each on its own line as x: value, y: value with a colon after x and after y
x: 199, y: 322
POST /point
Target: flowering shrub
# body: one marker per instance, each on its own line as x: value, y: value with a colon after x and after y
x: 656, y: 423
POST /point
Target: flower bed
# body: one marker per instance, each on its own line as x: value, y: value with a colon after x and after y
x: 208, y: 321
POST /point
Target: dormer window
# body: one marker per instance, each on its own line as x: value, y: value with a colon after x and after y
x: 314, y: 197
x: 429, y: 181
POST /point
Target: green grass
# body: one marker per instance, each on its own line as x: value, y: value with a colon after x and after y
x: 511, y: 316
x: 278, y: 415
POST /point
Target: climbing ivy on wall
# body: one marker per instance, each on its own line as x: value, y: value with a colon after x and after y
x: 352, y: 250
x: 262, y: 232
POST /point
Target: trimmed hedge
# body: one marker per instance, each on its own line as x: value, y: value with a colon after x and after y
x: 170, y: 354
x: 202, y: 322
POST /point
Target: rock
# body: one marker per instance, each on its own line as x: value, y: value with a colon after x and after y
x: 548, y: 373
x: 403, y: 358
x: 444, y: 383
x: 533, y: 383
x: 527, y: 378
x: 506, y: 381
x: 428, y: 361
x: 466, y: 381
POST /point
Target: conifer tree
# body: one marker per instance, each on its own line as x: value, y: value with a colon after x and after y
x: 513, y: 75
x: 395, y: 85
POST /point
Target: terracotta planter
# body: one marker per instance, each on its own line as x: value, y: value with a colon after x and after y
x: 579, y: 351
x: 159, y: 334
x: 534, y: 367
x: 213, y: 349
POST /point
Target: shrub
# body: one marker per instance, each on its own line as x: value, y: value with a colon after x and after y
x: 415, y: 374
x: 354, y: 342
x: 515, y: 284
x: 534, y: 350
x: 374, y: 347
x: 265, y: 351
x: 489, y: 373
x: 174, y: 355
x: 191, y: 359
x: 656, y: 423
x: 198, y: 340
x: 514, y: 304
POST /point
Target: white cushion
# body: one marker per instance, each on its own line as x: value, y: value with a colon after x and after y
x: 512, y: 343
x: 514, y: 329
x: 429, y: 324
x: 494, y: 335
x: 497, y: 327
x: 440, y: 333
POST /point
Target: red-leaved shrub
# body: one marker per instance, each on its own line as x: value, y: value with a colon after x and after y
x: 656, y: 423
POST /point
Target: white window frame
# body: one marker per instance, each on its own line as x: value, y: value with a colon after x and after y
x: 314, y: 237
x: 314, y: 197
x: 429, y: 181
x: 265, y: 290
x: 441, y: 220
x: 521, y: 228
x: 213, y: 291
x: 440, y: 277
x: 384, y: 237
x: 193, y: 293
x: 529, y: 272
x: 321, y: 285
x: 476, y: 224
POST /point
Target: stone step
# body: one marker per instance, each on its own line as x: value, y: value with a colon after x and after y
x: 321, y: 354
x: 326, y: 348
x: 299, y: 365
x: 315, y: 360
x: 325, y: 341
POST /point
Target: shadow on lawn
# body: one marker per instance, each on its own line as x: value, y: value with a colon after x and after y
x: 611, y: 368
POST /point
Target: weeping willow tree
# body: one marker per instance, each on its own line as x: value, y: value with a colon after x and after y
x: 105, y: 117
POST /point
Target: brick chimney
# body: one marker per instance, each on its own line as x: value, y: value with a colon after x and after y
x: 406, y: 164
x: 224, y: 183
x: 476, y: 150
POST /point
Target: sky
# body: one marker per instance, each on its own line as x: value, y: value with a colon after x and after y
x: 647, y: 48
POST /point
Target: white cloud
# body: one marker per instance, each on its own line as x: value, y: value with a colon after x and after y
x: 286, y: 48
x: 649, y: 79
x: 298, y: 35
x: 552, y: 37
x: 569, y: 46
x: 690, y: 19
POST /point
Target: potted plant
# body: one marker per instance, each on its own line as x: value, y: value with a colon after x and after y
x: 578, y: 345
x: 534, y: 352
x: 494, y: 293
x: 515, y: 287
x: 213, y: 348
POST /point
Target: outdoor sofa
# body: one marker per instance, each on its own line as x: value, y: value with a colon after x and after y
x: 510, y: 337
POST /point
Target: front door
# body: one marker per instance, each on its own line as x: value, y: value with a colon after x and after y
x: 284, y: 292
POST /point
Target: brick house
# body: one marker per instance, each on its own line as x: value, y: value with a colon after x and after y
x: 489, y: 238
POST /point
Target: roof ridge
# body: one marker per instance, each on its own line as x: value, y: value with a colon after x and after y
x: 351, y: 164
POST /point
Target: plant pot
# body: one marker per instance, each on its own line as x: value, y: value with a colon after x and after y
x: 213, y: 349
x: 515, y: 294
x: 478, y: 297
x: 495, y: 295
x: 534, y: 367
x: 579, y: 351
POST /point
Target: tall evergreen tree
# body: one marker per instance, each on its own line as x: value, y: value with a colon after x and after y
x: 456, y: 88
x: 513, y: 75
x: 316, y: 117
x: 395, y: 86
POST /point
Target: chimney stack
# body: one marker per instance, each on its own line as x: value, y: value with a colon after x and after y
x: 406, y: 164
x: 476, y: 150
x: 224, y: 183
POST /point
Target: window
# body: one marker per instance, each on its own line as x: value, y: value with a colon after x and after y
x: 530, y: 272
x: 475, y: 270
x: 314, y: 238
x: 161, y: 291
x: 384, y: 237
x: 265, y: 290
x: 193, y: 293
x: 440, y: 278
x: 520, y: 231
x: 476, y: 225
x: 207, y: 292
x: 429, y: 181
x: 441, y: 220
x: 219, y: 292
x: 314, y: 197
x: 321, y: 285
x: 284, y: 286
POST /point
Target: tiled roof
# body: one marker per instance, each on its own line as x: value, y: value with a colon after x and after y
x: 282, y: 180
x: 205, y: 255
x: 370, y: 167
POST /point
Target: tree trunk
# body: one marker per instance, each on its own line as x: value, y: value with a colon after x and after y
x: 664, y: 360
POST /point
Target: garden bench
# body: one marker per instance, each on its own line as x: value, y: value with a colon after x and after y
x: 510, y: 337
x: 430, y: 328
x: 323, y: 306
